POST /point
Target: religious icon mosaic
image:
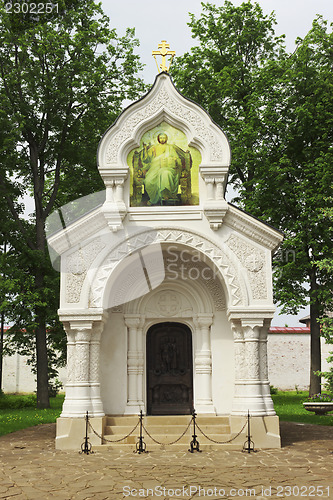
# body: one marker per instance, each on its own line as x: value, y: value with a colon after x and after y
x: 164, y: 169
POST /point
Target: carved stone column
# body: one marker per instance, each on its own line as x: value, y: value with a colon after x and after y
x: 94, y: 370
x: 119, y: 183
x: 83, y: 351
x: 133, y: 322
x: 210, y: 188
x: 240, y: 367
x: 264, y: 371
x: 140, y: 358
x: 219, y: 188
x: 203, y: 365
x: 252, y: 398
x: 70, y: 383
x: 78, y: 401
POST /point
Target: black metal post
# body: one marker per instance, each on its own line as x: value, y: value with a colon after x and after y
x: 249, y: 444
x: 194, y: 444
x: 140, y: 446
x: 86, y: 446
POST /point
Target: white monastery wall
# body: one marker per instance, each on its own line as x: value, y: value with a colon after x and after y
x: 289, y: 360
x: 18, y: 377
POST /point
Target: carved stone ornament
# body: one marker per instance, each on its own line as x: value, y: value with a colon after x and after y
x: 234, y: 284
x: 77, y: 265
x: 164, y: 100
x: 253, y: 260
x: 168, y: 303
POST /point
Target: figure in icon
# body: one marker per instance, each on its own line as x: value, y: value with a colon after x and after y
x: 162, y: 165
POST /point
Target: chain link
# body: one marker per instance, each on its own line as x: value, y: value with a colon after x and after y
x: 172, y: 442
x: 113, y: 441
x: 221, y: 442
x: 166, y: 444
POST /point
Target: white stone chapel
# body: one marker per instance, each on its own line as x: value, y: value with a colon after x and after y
x: 166, y: 289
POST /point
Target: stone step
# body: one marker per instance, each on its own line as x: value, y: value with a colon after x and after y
x: 152, y: 447
x: 168, y: 428
x: 164, y: 439
x: 167, y: 420
x: 122, y: 430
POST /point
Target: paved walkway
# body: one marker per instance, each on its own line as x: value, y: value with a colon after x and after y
x: 30, y: 468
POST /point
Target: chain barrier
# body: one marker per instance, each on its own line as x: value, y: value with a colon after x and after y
x: 222, y: 442
x: 113, y: 440
x: 172, y: 442
x: 158, y: 442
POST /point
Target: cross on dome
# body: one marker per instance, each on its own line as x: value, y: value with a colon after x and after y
x: 163, y: 46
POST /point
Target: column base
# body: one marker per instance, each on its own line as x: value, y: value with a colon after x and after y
x: 134, y: 409
x: 71, y: 432
x: 265, y: 431
x: 203, y: 408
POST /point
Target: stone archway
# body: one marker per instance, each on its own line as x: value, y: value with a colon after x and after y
x: 169, y: 368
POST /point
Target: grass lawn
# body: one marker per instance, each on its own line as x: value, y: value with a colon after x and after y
x: 14, y: 419
x: 288, y: 406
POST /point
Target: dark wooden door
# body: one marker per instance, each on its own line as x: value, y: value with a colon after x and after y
x: 169, y: 370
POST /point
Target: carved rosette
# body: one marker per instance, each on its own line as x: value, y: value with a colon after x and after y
x: 253, y: 260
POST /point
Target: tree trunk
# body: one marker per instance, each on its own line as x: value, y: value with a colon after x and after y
x: 40, y: 332
x: 315, y: 365
x: 42, y: 363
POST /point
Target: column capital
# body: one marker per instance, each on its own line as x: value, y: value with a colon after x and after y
x: 80, y: 320
x: 204, y: 319
x: 133, y: 320
x: 252, y: 322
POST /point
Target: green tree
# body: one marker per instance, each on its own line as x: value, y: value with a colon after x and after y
x: 296, y: 181
x: 231, y: 74
x: 327, y: 321
x: 277, y: 111
x: 63, y: 78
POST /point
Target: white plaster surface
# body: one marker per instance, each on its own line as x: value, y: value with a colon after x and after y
x: 18, y: 377
x: 289, y: 360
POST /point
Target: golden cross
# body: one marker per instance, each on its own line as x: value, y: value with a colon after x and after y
x: 163, y: 52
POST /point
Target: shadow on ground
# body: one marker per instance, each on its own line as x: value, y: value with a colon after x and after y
x: 292, y: 432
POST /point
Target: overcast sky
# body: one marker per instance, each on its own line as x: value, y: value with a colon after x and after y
x: 167, y: 20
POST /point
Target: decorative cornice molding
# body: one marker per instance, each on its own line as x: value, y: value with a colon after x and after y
x: 253, y: 228
x: 78, y: 232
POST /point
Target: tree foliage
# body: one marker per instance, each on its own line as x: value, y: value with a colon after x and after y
x: 63, y: 78
x: 277, y: 111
